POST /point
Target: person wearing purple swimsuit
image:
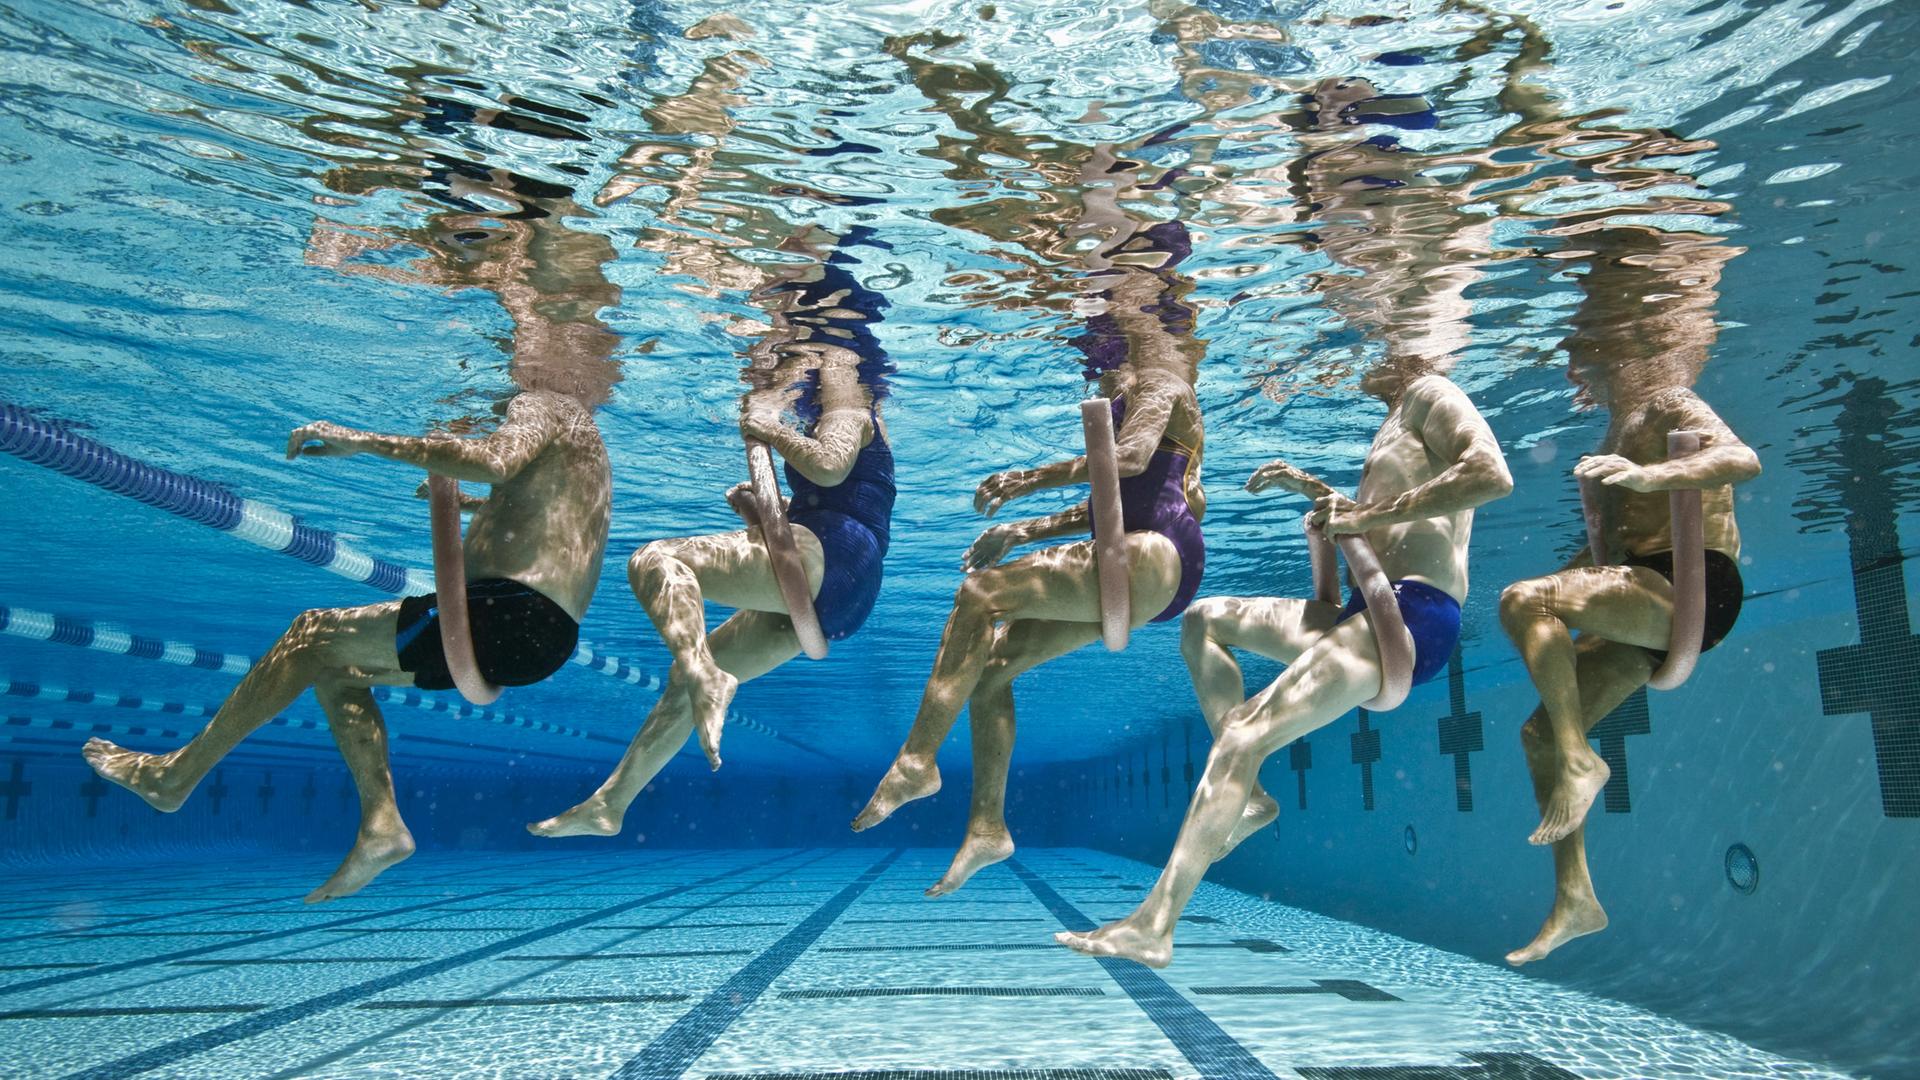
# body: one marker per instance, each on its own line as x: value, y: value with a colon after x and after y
x: 1009, y: 619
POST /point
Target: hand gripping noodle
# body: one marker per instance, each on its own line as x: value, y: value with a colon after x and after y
x: 1111, y: 564
x: 1689, y: 566
x: 450, y: 592
x: 762, y: 507
x: 1390, y: 634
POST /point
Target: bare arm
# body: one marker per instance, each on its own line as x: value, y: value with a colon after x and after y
x: 825, y: 457
x: 994, y: 543
x: 532, y: 423
x: 1454, y: 431
x: 1721, y: 460
x: 1150, y: 405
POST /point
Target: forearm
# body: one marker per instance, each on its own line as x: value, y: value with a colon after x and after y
x: 1074, y: 521
x: 1714, y: 467
x: 1465, y: 485
x: 825, y: 458
x: 479, y: 461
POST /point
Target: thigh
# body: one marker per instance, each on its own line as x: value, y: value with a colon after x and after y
x: 1339, y: 671
x: 1025, y: 644
x: 357, y: 643
x: 751, y: 643
x: 1628, y: 604
x: 735, y: 571
x: 1062, y: 584
x: 1273, y: 626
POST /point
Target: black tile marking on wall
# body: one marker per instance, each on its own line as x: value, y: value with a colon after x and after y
x: 1876, y: 676
x: 1630, y: 717
x: 1366, y: 750
x: 1462, y: 734
x: 93, y: 789
x: 1484, y: 1067
x: 673, y: 1050
x: 513, y: 1002
x: 126, y: 1010
x: 1210, y: 1050
x: 1351, y: 989
x: 957, y: 1074
x: 216, y: 794
x: 167, y: 1053
x: 15, y: 787
x: 946, y: 991
x: 1300, y: 759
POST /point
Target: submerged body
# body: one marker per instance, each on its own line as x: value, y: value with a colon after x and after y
x: 533, y: 549
x: 1431, y: 463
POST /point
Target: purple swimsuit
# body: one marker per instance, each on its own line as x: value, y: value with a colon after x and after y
x: 1156, y: 501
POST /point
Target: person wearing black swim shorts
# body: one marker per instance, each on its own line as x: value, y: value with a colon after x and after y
x: 533, y: 554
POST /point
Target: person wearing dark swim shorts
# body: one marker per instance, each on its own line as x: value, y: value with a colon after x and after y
x: 829, y: 367
x: 1623, y: 614
x: 533, y: 551
x: 1432, y: 463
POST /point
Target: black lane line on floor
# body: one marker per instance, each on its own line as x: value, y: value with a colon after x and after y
x: 957, y: 1074
x: 510, y: 1002
x: 671, y: 1052
x: 1256, y: 945
x: 282, y: 961
x: 1351, y: 989
x: 935, y: 920
x: 168, y: 1053
x: 1211, y: 1051
x: 50, y: 967
x: 1485, y: 1067
x: 126, y: 1010
x: 946, y: 991
x: 530, y: 958
x: 272, y: 935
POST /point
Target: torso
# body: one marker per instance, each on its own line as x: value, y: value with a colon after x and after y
x: 547, y: 527
x: 1433, y: 550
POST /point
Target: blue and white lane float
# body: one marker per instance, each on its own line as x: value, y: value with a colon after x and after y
x: 55, y: 446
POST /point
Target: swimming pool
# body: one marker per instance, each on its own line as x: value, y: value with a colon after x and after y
x: 226, y: 220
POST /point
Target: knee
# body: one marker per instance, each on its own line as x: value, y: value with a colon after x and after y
x: 975, y: 596
x: 306, y: 636
x: 1196, y: 626
x: 1524, y: 602
x: 644, y: 561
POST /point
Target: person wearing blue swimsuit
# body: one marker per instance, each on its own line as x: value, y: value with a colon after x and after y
x: 823, y: 360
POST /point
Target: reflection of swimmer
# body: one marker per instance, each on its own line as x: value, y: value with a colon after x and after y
x: 1433, y: 461
x: 532, y: 557
x: 823, y: 358
x: 1010, y: 619
x: 1639, y: 342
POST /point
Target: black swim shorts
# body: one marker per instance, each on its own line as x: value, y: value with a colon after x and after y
x: 519, y: 635
x: 1724, y: 587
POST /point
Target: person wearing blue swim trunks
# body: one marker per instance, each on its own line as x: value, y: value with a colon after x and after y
x: 822, y: 360
x: 1432, y: 463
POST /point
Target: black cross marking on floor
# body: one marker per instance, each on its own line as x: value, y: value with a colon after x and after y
x: 1630, y: 717
x: 307, y: 794
x: 1876, y: 676
x: 1187, y: 730
x: 1166, y: 772
x: 1366, y: 751
x: 15, y: 788
x: 1461, y: 734
x: 218, y: 791
x: 93, y: 789
x: 1300, y: 759
x: 1485, y: 1067
x: 265, y: 793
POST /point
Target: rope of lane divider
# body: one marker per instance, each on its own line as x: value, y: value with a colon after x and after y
x: 71, y: 630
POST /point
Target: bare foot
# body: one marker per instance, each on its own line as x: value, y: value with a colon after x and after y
x: 907, y: 779
x: 1581, y: 778
x: 146, y: 775
x: 1260, y: 812
x: 593, y: 817
x: 1571, y: 917
x: 372, y: 853
x: 709, y: 692
x: 1122, y: 939
x: 979, y: 851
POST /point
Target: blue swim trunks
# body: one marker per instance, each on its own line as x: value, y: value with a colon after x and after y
x: 1432, y: 617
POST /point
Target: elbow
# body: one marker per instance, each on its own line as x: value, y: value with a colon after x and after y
x: 1749, y: 467
x: 1130, y: 462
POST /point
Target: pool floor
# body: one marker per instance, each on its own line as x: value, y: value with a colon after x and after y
x: 773, y: 964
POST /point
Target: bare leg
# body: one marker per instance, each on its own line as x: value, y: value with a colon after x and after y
x: 361, y: 734
x: 1056, y: 584
x: 1271, y: 626
x: 1608, y: 673
x: 319, y: 643
x: 1340, y: 671
x: 1020, y: 647
x: 746, y: 646
x: 1628, y: 604
x: 672, y: 580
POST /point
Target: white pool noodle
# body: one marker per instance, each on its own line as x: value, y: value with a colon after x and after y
x: 764, y: 509
x: 1111, y: 564
x: 1689, y: 574
x: 450, y: 592
x: 1390, y: 634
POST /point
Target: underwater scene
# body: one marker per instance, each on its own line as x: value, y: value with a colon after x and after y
x: 933, y: 540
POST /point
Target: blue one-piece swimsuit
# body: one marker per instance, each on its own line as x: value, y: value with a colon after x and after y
x: 852, y: 520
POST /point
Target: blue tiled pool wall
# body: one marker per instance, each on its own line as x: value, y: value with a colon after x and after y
x: 1763, y: 771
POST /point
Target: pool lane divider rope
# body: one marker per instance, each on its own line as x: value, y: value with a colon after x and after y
x: 1214, y: 1054
x: 69, y: 630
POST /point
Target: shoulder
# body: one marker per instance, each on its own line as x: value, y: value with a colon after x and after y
x: 1430, y: 392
